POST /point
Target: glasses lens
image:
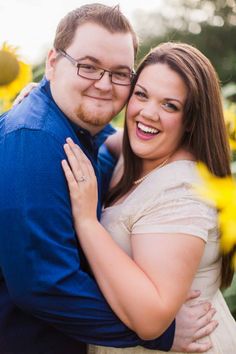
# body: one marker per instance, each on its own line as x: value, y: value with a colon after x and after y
x: 93, y: 73
x: 89, y: 71
x: 121, y: 78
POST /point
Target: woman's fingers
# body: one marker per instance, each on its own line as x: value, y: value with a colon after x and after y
x: 75, y: 164
x: 82, y: 159
x: 72, y: 183
x: 82, y: 169
x: 83, y: 189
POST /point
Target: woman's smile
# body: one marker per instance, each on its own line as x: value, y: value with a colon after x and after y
x: 146, y: 132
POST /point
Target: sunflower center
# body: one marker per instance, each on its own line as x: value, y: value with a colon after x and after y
x: 9, y: 67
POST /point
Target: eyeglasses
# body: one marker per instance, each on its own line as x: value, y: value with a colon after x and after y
x: 92, y: 72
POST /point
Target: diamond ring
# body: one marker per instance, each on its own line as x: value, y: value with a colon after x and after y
x: 81, y: 179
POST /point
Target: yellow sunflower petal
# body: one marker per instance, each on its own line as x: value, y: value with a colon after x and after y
x: 227, y: 223
x: 232, y: 144
x: 16, y: 75
x: 230, y: 121
x: 230, y: 117
x: 220, y: 191
x: 228, y: 234
x: 234, y: 261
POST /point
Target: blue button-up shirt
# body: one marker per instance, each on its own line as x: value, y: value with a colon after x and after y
x: 48, y: 302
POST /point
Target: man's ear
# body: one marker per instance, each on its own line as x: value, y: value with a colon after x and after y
x: 50, y: 63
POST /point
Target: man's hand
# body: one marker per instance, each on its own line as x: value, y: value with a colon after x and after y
x: 193, y: 322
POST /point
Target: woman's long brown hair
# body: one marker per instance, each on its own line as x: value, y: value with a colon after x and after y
x: 205, y: 131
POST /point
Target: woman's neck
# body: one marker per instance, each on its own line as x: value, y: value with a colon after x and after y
x: 180, y: 154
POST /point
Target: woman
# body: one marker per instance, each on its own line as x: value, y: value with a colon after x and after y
x: 157, y: 238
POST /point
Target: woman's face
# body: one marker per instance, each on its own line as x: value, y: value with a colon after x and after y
x: 155, y: 113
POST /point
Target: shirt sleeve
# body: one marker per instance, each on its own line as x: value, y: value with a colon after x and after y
x: 177, y: 210
x: 39, y: 253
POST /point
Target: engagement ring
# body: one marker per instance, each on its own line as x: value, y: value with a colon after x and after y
x: 81, y: 179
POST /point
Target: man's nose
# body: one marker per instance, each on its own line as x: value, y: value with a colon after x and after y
x: 104, y: 83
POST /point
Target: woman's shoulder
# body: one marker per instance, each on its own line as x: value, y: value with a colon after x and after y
x: 171, y: 182
x: 176, y: 173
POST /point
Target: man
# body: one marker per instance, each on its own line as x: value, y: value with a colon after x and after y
x: 48, y: 303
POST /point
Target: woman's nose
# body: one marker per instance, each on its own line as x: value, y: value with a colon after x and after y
x: 150, y: 113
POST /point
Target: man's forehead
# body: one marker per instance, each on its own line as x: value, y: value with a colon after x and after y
x: 122, y: 65
x: 96, y: 41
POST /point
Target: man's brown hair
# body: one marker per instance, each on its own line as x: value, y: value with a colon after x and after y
x: 111, y: 18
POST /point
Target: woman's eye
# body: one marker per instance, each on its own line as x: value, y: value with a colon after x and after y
x: 170, y: 106
x: 140, y: 94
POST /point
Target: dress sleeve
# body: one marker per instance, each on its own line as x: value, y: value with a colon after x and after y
x: 177, y: 210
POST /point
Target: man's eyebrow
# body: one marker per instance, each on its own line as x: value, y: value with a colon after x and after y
x: 89, y: 57
x: 97, y: 61
x: 123, y: 67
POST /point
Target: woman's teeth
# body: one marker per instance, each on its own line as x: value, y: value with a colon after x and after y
x: 147, y: 129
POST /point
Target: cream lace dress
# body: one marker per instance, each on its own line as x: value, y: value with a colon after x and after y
x: 165, y: 203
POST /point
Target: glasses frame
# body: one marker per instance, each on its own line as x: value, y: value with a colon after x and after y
x: 110, y: 73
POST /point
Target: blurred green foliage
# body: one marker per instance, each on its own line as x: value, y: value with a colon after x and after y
x: 118, y: 120
x: 230, y: 297
x: 208, y: 25
x: 38, y: 72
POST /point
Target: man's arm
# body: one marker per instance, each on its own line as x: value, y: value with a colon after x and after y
x: 114, y: 143
x: 39, y: 254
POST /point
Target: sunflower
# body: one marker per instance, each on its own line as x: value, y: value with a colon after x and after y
x: 230, y: 120
x: 222, y: 193
x: 14, y: 75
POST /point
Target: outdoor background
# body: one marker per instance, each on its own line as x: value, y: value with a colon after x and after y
x: 209, y: 25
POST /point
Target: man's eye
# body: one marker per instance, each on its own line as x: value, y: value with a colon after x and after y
x: 121, y: 74
x: 88, y: 68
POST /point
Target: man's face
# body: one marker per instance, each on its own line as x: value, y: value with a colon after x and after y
x: 91, y: 103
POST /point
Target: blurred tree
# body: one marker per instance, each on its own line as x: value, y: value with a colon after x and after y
x: 208, y: 25
x: 230, y: 297
x: 38, y: 72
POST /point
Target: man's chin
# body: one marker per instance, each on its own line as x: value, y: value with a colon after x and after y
x: 98, y: 119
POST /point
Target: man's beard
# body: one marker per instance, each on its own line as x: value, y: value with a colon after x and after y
x: 92, y: 118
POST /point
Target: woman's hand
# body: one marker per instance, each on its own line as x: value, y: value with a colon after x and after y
x: 25, y: 92
x: 82, y: 184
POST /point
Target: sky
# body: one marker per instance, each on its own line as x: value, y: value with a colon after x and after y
x: 30, y: 24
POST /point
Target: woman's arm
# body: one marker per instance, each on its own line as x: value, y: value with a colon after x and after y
x: 146, y: 292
